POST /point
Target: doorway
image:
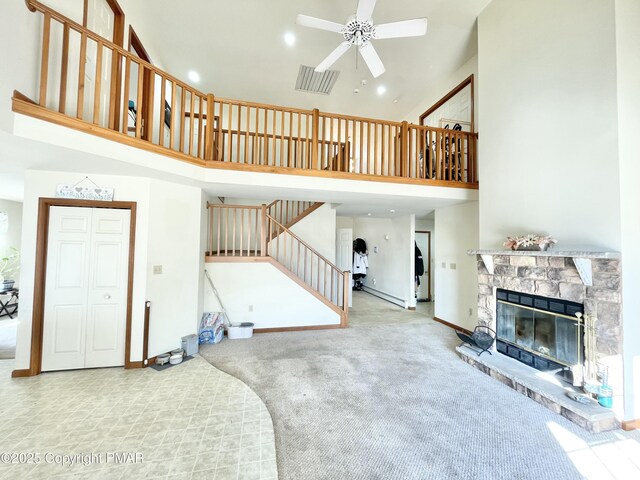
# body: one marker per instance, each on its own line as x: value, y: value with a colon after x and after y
x: 423, y: 241
x: 97, y: 239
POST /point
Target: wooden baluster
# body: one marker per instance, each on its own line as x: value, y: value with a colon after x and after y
x: 241, y: 229
x: 338, y: 167
x: 412, y: 158
x: 315, y: 128
x: 273, y: 137
x: 257, y: 236
x: 345, y: 299
x: 208, y: 128
x: 256, y: 156
x: 44, y: 61
x: 163, y: 100
x: 307, y: 150
x: 81, y: 72
x: 201, y: 132
x: 263, y: 230
x: 291, y: 254
x: 450, y: 156
x: 375, y: 148
x: 182, y: 117
x: 282, y: 138
x: 192, y: 120
x: 290, y: 145
x: 97, y: 84
x: 64, y: 70
x: 229, y: 143
x: 438, y: 148
x: 297, y: 160
x: 125, y: 109
x: 246, y: 136
x: 139, y: 101
x: 172, y: 118
x: 361, y: 146
x: 239, y: 128
x: 304, y: 267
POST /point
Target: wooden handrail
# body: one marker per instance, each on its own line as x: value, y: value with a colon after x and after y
x: 227, y: 133
x: 313, y: 250
x: 227, y: 205
x: 34, y: 6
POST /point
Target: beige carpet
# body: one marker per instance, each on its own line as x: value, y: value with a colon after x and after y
x: 389, y: 399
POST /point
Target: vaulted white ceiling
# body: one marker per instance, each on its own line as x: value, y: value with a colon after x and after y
x: 238, y: 48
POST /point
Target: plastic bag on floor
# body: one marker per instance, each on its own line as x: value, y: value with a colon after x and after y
x: 211, y: 328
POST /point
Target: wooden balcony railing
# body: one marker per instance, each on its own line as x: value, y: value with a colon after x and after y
x: 248, y: 233
x: 93, y: 85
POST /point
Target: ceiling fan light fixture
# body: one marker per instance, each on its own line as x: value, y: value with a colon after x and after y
x: 360, y: 31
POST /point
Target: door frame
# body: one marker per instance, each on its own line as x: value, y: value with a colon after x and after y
x: 428, y: 232
x: 39, y: 285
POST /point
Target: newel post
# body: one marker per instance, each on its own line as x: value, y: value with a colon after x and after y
x: 263, y: 231
x: 346, y: 286
x: 208, y: 132
x: 404, y: 150
x: 315, y: 128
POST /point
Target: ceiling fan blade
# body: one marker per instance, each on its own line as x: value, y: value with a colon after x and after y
x: 406, y: 28
x: 333, y: 57
x: 365, y: 9
x: 313, y: 22
x: 372, y: 59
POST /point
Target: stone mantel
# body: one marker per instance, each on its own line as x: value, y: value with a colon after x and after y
x: 548, y: 253
x: 581, y: 259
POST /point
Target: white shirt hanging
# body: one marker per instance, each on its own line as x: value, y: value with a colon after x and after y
x: 360, y: 263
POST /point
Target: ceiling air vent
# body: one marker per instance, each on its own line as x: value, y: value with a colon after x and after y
x: 313, y: 82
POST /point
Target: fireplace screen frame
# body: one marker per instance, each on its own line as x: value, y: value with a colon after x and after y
x: 549, y: 310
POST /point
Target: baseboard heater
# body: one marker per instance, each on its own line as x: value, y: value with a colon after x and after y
x: 386, y: 296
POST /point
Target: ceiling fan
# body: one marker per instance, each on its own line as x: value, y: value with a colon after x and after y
x: 359, y: 31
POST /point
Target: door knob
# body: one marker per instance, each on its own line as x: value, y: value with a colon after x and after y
x: 107, y: 296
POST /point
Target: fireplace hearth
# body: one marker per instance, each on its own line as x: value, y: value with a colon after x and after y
x: 541, y: 332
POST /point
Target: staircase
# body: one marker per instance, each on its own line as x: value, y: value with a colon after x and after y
x: 241, y: 233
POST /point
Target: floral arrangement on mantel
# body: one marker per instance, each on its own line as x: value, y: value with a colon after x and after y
x: 530, y: 242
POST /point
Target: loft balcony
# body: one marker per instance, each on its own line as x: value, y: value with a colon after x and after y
x: 92, y: 85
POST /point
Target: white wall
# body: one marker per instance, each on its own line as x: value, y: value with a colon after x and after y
x: 548, y: 147
x: 167, y: 233
x: 174, y: 242
x: 628, y: 63
x: 12, y: 237
x: 318, y: 229
x: 262, y: 294
x: 456, y: 286
x: 392, y: 267
x: 435, y: 92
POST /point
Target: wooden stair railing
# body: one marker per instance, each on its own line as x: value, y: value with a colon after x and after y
x: 309, y: 266
x: 93, y: 85
x: 242, y: 233
x: 290, y: 212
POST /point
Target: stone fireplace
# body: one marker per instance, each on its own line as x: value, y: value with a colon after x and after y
x: 538, y: 294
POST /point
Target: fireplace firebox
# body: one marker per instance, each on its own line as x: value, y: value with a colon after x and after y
x: 544, y: 333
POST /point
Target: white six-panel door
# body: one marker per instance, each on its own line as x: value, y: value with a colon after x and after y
x: 86, y: 288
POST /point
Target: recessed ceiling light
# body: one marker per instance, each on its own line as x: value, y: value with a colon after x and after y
x: 381, y: 89
x: 356, y: 90
x: 368, y: 214
x: 194, y: 76
x: 395, y: 100
x: 289, y: 39
x: 392, y: 211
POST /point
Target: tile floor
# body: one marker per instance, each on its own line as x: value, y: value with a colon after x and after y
x: 190, y: 421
